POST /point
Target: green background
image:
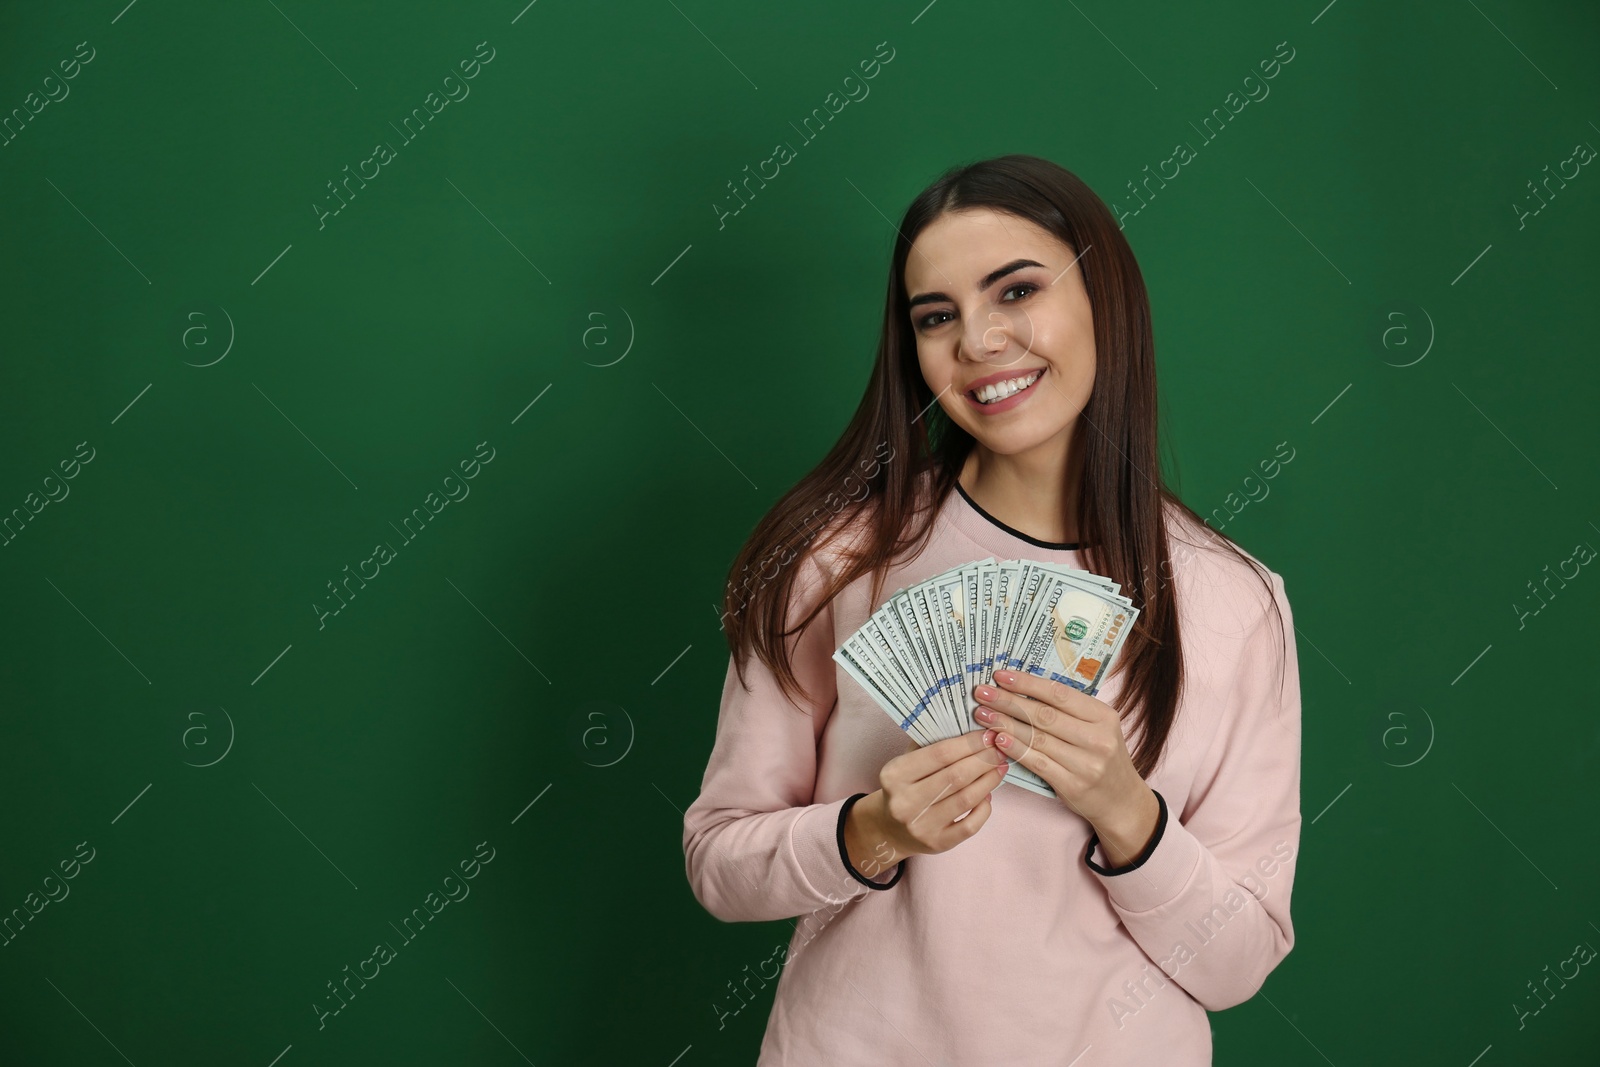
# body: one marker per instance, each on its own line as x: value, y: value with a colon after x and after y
x: 552, y: 639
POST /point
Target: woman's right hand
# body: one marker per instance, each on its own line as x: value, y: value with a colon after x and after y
x: 920, y: 796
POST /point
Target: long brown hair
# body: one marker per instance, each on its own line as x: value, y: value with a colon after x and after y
x: 1123, y: 504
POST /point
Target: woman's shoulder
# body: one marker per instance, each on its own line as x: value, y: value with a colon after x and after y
x: 837, y: 539
x: 820, y: 551
x: 1221, y: 585
x: 834, y: 544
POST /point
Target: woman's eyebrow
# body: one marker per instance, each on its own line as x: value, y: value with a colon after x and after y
x: 988, y: 280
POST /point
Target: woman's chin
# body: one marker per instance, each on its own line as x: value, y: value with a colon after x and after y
x: 1021, y: 436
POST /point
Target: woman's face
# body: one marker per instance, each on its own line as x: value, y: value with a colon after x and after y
x: 995, y: 298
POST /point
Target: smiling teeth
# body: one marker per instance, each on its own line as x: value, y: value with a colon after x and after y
x: 1000, y: 390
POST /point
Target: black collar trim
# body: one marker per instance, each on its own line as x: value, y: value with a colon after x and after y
x: 1059, y: 545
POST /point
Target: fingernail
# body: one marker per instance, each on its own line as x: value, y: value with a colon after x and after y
x: 988, y: 737
x: 1004, y: 676
x: 983, y: 715
x: 1004, y: 741
x: 984, y: 692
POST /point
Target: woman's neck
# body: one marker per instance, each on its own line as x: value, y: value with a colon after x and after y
x: 1029, y: 491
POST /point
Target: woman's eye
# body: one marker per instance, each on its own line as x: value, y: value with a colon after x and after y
x: 938, y: 318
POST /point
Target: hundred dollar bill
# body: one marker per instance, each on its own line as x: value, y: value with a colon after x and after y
x: 1074, y: 637
x: 946, y: 676
x: 924, y: 651
x: 917, y: 648
x: 1066, y: 622
x: 896, y: 664
x: 895, y: 675
x: 883, y: 685
x: 953, y: 595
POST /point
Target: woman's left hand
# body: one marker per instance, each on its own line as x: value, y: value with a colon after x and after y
x: 1067, y: 737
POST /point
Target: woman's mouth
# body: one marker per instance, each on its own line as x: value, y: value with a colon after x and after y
x: 1005, y: 395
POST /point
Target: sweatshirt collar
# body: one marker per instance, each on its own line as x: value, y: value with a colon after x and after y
x: 1006, y: 542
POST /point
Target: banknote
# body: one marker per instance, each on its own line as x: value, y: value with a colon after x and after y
x: 928, y: 646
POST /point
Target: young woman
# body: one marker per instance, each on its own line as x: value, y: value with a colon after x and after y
x: 946, y: 921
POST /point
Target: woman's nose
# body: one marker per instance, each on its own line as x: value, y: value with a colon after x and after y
x: 985, y: 336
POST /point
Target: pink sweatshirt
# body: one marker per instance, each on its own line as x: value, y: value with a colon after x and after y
x: 1009, y: 949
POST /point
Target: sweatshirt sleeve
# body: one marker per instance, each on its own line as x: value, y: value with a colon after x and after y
x: 757, y: 845
x: 1209, y: 902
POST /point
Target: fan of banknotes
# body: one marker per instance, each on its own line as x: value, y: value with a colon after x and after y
x: 930, y: 645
